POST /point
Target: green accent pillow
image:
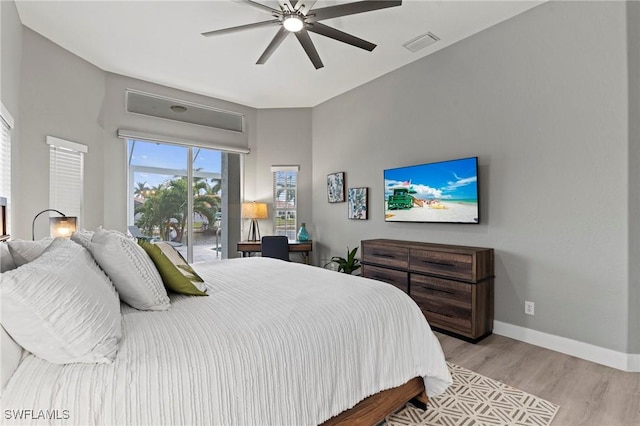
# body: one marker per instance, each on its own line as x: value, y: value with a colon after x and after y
x: 176, y: 273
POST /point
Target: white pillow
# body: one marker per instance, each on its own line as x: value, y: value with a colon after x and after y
x: 130, y: 268
x: 23, y: 251
x: 6, y: 260
x: 62, y: 307
x: 83, y: 237
x: 9, y: 359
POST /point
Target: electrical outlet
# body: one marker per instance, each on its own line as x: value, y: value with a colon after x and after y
x: 529, y: 308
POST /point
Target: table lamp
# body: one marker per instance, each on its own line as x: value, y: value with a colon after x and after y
x: 59, y: 226
x: 254, y: 211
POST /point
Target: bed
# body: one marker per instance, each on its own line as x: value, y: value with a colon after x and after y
x: 273, y: 343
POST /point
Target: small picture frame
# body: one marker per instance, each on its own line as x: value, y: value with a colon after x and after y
x: 335, y: 187
x: 358, y: 203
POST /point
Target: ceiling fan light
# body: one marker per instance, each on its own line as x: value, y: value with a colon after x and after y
x: 293, y: 23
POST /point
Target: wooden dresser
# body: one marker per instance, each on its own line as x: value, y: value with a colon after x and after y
x: 453, y: 285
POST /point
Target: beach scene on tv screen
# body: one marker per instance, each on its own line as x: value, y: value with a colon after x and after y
x: 437, y: 192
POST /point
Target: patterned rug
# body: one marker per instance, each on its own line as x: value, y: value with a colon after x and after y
x: 475, y: 400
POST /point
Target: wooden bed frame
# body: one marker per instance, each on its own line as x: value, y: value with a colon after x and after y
x: 375, y: 408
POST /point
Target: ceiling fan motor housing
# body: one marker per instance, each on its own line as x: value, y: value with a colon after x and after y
x: 293, y: 21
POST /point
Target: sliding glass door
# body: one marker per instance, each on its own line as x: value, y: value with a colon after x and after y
x: 175, y: 195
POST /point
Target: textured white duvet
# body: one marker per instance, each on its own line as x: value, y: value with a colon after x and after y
x: 275, y: 343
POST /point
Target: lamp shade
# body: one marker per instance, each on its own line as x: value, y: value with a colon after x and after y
x: 254, y: 210
x: 62, y: 226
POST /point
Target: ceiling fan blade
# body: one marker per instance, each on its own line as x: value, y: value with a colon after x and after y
x: 330, y: 32
x: 288, y: 5
x: 297, y: 5
x: 305, y: 6
x: 259, y: 6
x: 275, y: 42
x: 350, y: 9
x: 242, y: 27
x: 307, y: 45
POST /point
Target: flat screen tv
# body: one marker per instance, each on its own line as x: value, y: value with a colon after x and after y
x: 444, y: 192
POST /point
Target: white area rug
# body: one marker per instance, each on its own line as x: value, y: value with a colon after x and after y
x: 475, y: 400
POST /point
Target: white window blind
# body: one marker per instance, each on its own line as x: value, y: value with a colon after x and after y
x: 66, y: 176
x: 285, y: 200
x: 6, y: 124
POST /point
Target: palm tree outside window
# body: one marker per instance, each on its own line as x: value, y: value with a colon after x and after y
x: 161, y: 203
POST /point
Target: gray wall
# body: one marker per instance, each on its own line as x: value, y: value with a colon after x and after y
x: 633, y: 79
x: 11, y: 44
x: 283, y: 138
x: 542, y: 100
x: 64, y: 96
x: 60, y: 95
x: 10, y: 62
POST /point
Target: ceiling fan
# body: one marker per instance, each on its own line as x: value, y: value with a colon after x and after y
x: 295, y: 16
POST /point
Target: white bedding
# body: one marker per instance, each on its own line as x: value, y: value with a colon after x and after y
x: 274, y: 343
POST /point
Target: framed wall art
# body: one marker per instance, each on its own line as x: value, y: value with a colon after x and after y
x: 335, y: 187
x: 357, y: 203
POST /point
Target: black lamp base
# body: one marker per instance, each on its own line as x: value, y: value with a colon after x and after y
x: 254, y: 231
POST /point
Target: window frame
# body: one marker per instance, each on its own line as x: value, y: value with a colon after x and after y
x: 190, y: 173
x: 7, y: 124
x: 66, y: 183
x: 289, y: 231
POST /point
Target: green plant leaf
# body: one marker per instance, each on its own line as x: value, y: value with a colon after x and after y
x: 348, y: 265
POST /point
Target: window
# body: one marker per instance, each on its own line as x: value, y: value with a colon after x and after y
x: 209, y: 169
x: 66, y: 176
x: 161, y: 205
x: 6, y: 124
x: 285, y: 200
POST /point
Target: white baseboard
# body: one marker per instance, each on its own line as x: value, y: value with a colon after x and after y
x: 610, y: 358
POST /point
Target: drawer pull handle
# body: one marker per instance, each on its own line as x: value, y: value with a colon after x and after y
x: 438, y: 263
x: 383, y: 279
x: 440, y: 313
x: 439, y: 290
x: 389, y: 256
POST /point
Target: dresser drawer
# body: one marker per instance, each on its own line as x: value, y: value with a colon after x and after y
x: 455, y: 324
x: 399, y: 279
x: 392, y: 257
x: 446, y: 304
x: 445, y: 297
x: 454, y: 265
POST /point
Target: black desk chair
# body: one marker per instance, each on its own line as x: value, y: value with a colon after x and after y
x: 275, y: 246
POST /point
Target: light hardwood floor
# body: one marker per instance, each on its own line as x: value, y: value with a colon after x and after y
x: 588, y: 393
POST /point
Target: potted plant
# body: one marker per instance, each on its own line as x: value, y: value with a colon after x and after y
x: 348, y: 265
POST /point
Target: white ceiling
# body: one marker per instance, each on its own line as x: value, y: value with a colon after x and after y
x: 160, y: 41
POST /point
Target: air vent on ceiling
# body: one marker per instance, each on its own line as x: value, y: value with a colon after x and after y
x: 421, y: 42
x: 186, y: 112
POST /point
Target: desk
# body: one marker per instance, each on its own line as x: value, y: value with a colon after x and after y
x: 304, y: 247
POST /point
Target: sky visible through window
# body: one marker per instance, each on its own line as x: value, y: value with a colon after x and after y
x: 174, y: 157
